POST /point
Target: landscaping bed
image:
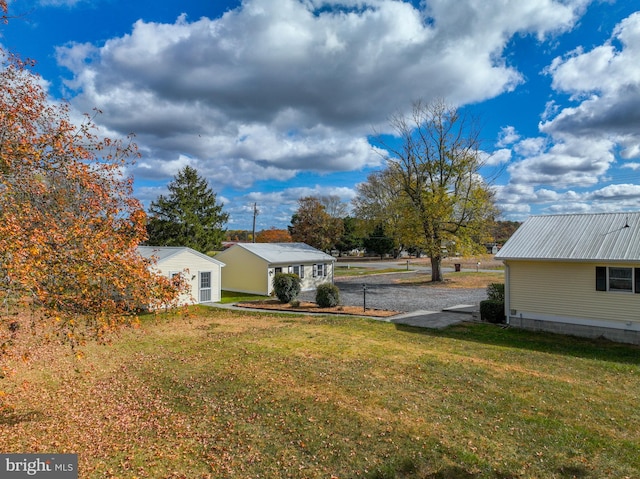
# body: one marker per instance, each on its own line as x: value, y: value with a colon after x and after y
x: 311, y: 307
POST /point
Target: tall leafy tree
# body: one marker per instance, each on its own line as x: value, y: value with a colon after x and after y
x: 312, y: 224
x: 437, y: 163
x: 188, y: 216
x: 69, y: 225
x: 380, y: 201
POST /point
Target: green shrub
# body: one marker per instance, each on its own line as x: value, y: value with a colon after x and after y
x: 327, y: 295
x: 492, y: 311
x: 286, y: 286
x: 495, y: 292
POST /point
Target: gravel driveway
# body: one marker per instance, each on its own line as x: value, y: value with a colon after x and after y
x: 384, y: 293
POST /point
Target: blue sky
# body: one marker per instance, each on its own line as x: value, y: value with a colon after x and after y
x: 272, y: 100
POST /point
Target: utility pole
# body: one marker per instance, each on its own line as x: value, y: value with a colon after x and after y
x: 255, y: 213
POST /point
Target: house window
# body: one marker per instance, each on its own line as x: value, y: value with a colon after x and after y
x: 205, y: 286
x: 620, y: 279
x: 176, y: 277
x: 299, y: 270
x: 617, y: 279
x: 319, y: 269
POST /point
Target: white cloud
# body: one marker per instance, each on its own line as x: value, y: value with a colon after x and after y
x: 282, y: 204
x: 275, y: 87
x: 584, y: 141
x: 569, y: 162
x: 497, y: 157
x: 507, y: 136
x: 632, y: 166
x: 606, y: 83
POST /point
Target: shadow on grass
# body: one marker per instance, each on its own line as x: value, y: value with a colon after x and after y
x: 15, y: 418
x: 574, y: 472
x: 407, y: 468
x: 598, y: 349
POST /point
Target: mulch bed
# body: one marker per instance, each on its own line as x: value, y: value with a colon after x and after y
x: 310, y: 307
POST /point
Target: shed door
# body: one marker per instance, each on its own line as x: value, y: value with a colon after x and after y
x: 205, y: 286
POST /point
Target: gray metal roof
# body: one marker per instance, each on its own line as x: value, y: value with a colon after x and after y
x: 285, y: 253
x: 578, y: 237
x: 161, y: 253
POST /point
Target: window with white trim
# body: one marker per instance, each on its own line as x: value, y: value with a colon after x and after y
x: 319, y: 269
x: 298, y: 269
x: 616, y: 278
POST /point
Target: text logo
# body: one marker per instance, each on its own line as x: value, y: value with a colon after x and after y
x: 49, y: 466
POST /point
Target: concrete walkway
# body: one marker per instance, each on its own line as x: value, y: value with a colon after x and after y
x: 436, y: 319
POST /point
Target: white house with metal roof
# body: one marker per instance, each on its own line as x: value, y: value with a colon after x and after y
x: 202, y: 273
x: 250, y: 267
x: 575, y: 274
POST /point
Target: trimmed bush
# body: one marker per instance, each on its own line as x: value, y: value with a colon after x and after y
x: 286, y: 286
x: 492, y: 311
x: 495, y: 292
x: 327, y: 295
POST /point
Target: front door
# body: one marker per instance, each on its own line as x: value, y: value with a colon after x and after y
x: 205, y: 286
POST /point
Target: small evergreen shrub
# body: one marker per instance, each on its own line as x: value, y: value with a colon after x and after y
x: 327, y: 295
x: 492, y: 311
x: 286, y: 286
x: 495, y: 292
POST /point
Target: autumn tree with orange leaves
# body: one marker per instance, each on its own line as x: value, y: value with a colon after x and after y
x: 69, y: 225
x: 273, y: 235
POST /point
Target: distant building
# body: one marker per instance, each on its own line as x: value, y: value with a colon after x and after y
x: 250, y: 267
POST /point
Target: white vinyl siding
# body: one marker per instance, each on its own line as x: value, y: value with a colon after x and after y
x: 189, y: 265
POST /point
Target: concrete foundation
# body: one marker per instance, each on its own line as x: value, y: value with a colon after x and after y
x: 617, y: 335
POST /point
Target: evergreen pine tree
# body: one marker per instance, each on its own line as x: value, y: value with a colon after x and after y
x: 188, y: 216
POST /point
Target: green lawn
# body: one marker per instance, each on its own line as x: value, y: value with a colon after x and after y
x: 221, y: 394
x: 228, y: 297
x: 348, y: 270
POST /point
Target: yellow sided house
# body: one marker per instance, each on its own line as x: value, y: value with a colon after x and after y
x: 202, y: 273
x: 250, y: 267
x: 575, y: 274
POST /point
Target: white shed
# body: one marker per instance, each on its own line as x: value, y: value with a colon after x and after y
x: 203, y: 273
x: 250, y: 267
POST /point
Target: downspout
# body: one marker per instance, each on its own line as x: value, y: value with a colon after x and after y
x: 507, y: 295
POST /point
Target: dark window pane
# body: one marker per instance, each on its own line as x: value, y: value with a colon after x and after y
x: 601, y: 278
x: 620, y: 279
